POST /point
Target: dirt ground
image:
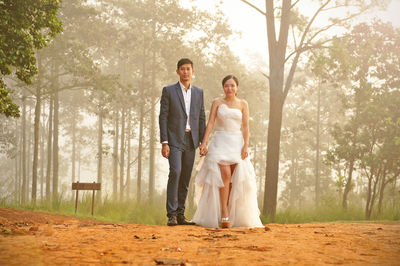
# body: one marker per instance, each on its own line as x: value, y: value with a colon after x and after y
x: 35, y: 238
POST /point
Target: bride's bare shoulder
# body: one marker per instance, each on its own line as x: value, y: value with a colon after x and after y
x: 217, y: 102
x: 243, y: 104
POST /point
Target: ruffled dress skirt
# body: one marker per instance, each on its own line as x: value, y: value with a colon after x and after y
x: 225, y: 148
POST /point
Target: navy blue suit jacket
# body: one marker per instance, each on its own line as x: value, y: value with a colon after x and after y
x: 173, y: 116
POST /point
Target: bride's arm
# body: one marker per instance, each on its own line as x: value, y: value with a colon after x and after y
x: 245, y: 129
x: 210, y: 123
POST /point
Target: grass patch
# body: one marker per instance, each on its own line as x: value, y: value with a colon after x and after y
x: 328, y: 214
x: 108, y: 210
x: 155, y: 214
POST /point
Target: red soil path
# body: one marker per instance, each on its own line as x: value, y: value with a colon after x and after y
x: 35, y: 238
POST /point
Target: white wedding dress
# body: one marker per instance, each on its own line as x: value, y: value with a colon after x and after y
x: 225, y: 148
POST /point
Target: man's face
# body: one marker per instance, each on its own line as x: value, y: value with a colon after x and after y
x: 185, y: 72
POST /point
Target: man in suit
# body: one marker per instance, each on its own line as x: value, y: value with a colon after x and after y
x: 182, y: 125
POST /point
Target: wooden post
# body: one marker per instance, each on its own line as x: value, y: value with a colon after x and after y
x: 93, y: 200
x: 76, y: 200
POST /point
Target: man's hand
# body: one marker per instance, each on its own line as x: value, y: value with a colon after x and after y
x: 165, y: 150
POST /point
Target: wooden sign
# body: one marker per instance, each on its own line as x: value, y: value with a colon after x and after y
x: 85, y: 186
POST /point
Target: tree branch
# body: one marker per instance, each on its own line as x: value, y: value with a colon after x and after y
x: 290, y: 76
x: 253, y: 6
x: 307, y: 47
x: 294, y: 39
x: 299, y: 51
x: 311, y: 22
x: 334, y: 24
x: 265, y: 75
x: 338, y: 6
x: 295, y: 3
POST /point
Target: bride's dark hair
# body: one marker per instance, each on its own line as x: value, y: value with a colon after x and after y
x: 230, y: 77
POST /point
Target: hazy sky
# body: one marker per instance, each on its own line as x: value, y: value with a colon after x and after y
x: 253, y: 42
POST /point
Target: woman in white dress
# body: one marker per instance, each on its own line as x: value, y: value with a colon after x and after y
x: 227, y: 178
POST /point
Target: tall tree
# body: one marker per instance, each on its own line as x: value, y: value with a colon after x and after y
x: 36, y: 126
x: 56, y: 129
x: 49, y: 148
x: 287, y: 16
x: 23, y: 150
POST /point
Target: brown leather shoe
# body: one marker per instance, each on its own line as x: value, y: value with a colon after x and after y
x: 182, y: 221
x: 172, y: 221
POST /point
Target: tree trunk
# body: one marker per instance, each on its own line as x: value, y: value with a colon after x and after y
x: 367, y: 204
x: 348, y: 185
x: 29, y: 153
x: 394, y: 192
x: 128, y: 161
x: 152, y: 131
x: 261, y: 174
x: 374, y: 194
x: 100, y: 153
x: 381, y: 190
x: 36, y: 143
x: 73, y: 155
x: 49, y: 148
x: 257, y: 168
x: 79, y: 166
x: 293, y: 194
x: 122, y: 156
x: 371, y: 193
x: 20, y: 166
x: 277, y: 53
x: 317, y: 152
x: 273, y: 146
x: 141, y: 124
x: 115, y: 156
x: 55, y: 147
x: 17, y: 163
x: 140, y: 151
x: 23, y: 118
x: 42, y: 156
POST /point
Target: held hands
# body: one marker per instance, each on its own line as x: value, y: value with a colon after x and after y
x: 165, y: 150
x: 245, y: 152
x: 203, y: 150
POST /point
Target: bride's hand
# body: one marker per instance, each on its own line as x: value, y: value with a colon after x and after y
x: 203, y: 149
x: 245, y: 152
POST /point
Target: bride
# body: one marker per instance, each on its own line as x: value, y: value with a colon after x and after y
x: 229, y: 194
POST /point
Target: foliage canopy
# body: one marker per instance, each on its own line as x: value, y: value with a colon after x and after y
x: 25, y: 26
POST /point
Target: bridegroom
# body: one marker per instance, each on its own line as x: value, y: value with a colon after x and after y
x: 182, y: 125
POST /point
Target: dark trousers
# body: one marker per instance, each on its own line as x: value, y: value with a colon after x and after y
x: 180, y: 170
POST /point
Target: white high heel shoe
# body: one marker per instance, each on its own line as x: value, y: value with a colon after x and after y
x: 225, y: 223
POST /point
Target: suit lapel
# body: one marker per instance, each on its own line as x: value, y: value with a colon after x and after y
x: 180, y: 96
x: 192, y: 100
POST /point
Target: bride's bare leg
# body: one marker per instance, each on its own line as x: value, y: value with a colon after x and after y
x: 224, y: 191
x: 233, y: 166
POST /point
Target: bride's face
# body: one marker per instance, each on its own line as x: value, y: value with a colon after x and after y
x: 230, y: 88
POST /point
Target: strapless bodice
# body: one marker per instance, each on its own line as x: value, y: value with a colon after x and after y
x: 228, y: 119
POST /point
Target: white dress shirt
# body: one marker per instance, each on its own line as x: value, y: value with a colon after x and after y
x: 187, y: 95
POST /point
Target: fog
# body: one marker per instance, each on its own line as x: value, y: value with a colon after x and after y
x: 96, y: 98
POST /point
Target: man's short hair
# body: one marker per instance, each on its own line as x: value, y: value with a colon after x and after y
x: 184, y: 61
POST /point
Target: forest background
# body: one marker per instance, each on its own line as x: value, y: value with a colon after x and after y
x: 82, y: 103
